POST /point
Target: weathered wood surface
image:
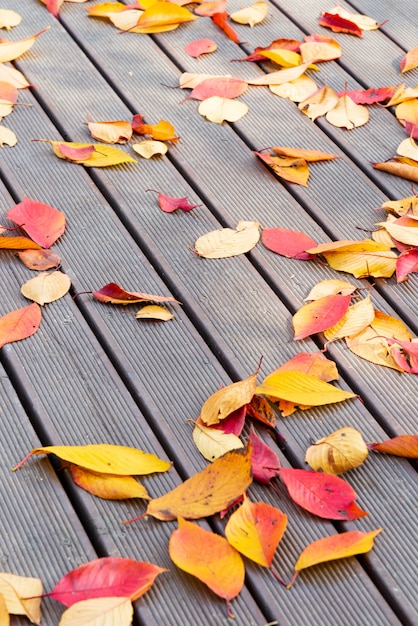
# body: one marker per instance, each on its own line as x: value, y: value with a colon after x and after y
x: 94, y: 374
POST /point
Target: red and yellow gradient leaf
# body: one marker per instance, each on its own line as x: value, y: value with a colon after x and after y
x: 319, y: 315
x: 289, y: 243
x: 114, y: 294
x: 403, y: 445
x: 228, y: 399
x: 255, y: 530
x: 20, y: 324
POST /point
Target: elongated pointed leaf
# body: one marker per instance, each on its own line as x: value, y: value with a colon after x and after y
x: 302, y: 389
x: 20, y: 324
x: 101, y: 156
x: 163, y: 14
x: 319, y: 315
x: 403, y: 445
x: 113, y: 294
x: 288, y: 243
x: 18, y: 243
x: 207, y: 492
x: 228, y: 399
x: 108, y: 486
x: 11, y: 50
x: 99, y: 612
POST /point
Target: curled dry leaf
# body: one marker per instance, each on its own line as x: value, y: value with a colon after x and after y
x: 208, y: 491
x: 20, y: 324
x: 357, y: 318
x: 319, y: 315
x: 213, y: 443
x: 290, y: 169
x: 251, y: 15
x: 330, y: 287
x: 260, y: 409
x: 22, y: 595
x: 105, y: 458
x: 108, y: 486
x: 403, y: 206
x: 99, y: 612
x: 410, y: 60
x: 255, y: 530
x: 208, y: 557
x: 42, y: 222
x: 399, y: 166
x: 335, y: 547
x: 11, y: 50
x: 319, y: 103
x: 113, y: 294
x: 118, y: 131
x: 227, y: 242
x: 9, y: 19
x: 339, y: 452
x: 403, y: 230
x: 302, y: 389
x: 154, y: 312
x: 40, y: 260
x: 46, y: 288
x: 219, y: 110
x: 310, y: 156
x: 227, y: 400
x: 7, y: 137
x: 402, y: 445
x: 296, y: 90
x: 280, y: 77
x: 348, y: 114
x: 200, y: 46
x: 149, y: 148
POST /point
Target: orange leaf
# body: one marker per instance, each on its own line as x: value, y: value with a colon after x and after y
x: 108, y: 486
x: 300, y: 153
x: 403, y: 445
x: 39, y: 259
x: 335, y: 547
x: 228, y: 399
x: 18, y: 243
x: 410, y: 60
x: 163, y: 131
x: 314, y: 364
x: 207, y: 492
x: 398, y: 167
x: 293, y: 170
x: 319, y: 315
x: 208, y: 557
x: 113, y: 294
x: 221, y: 21
x: 255, y: 530
x: 20, y: 324
x: 164, y: 14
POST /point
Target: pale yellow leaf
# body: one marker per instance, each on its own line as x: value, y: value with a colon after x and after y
x: 10, y: 75
x: 339, y: 452
x: 319, y: 103
x: 280, y: 77
x: 296, y: 90
x: 11, y: 50
x: 9, y: 19
x: 108, y: 486
x: 154, y: 312
x: 317, y: 51
x: 405, y: 233
x: 382, y: 235
x: 7, y: 137
x: 358, y: 316
x: 408, y: 148
x: 251, y: 15
x: 370, y: 346
x: 410, y: 60
x: 330, y: 287
x: 228, y: 399
x: 5, y: 109
x: 4, y: 613
x: 403, y: 206
x: 107, y: 611
x: 149, y: 148
x: 117, y: 131
x: 14, y: 588
x: 213, y: 443
x: 285, y: 58
x: 227, y: 242
x: 348, y: 114
x: 217, y: 109
x: 402, y: 95
x: 125, y: 20
x: 45, y: 288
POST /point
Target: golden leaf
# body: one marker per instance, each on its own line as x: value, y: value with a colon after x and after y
x: 11, y: 50
x: 154, y: 312
x: 301, y: 389
x: 319, y: 103
x: 228, y: 399
x: 108, y: 486
x: 339, y: 452
x: 295, y: 90
x: 358, y: 316
x: 45, y: 288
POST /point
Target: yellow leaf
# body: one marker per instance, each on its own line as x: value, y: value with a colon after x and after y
x: 9, y: 19
x: 400, y: 166
x: 319, y: 103
x: 330, y: 287
x: 207, y: 492
x: 118, y: 131
x: 360, y: 258
x: 280, y: 77
x: 149, y: 148
x: 106, y: 459
x: 213, y: 443
x: 410, y: 61
x: 14, y: 77
x: 102, y: 156
x: 286, y: 58
x: 401, y: 95
x: 408, y: 148
x: 154, y: 312
x: 403, y: 206
x: 4, y: 613
x: 255, y: 530
x: 296, y: 90
x: 105, y: 9
x: 226, y: 242
x: 251, y: 15
x: 217, y: 109
x: 407, y: 111
x: 339, y: 452
x: 358, y: 316
x: 404, y: 229
x: 105, y: 611
x: 45, y: 288
x: 294, y: 170
x: 228, y: 399
x: 163, y: 14
x: 125, y: 20
x: 301, y: 389
x: 11, y: 50
x: 15, y: 588
x: 108, y: 486
x: 7, y: 137
x: 348, y: 114
x: 318, y: 51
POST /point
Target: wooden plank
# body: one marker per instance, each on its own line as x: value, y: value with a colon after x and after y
x: 401, y: 26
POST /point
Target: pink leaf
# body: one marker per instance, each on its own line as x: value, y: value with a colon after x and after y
x: 265, y: 463
x: 200, y: 46
x: 289, y: 243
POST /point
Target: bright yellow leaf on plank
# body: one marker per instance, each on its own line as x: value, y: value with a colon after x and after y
x: 251, y: 15
x: 319, y: 103
x: 281, y: 56
x: 348, y: 114
x: 330, y: 287
x: 255, y: 530
x: 105, y: 9
x: 107, y: 611
x: 228, y: 399
x: 294, y: 170
x: 15, y: 589
x: 46, y: 287
x: 302, y: 389
x: 207, y: 492
x: 7, y: 137
x: 208, y: 557
x: 401, y: 95
x: 410, y: 60
x: 227, y: 242
x: 339, y: 452
x: 9, y: 19
x: 280, y: 77
x: 106, y: 459
x: 403, y: 206
x: 163, y: 14
x: 154, y: 312
x: 11, y: 50
x: 149, y: 148
x: 218, y: 110
x: 108, y: 486
x: 296, y: 90
x: 213, y: 443
x: 117, y: 131
x: 357, y: 318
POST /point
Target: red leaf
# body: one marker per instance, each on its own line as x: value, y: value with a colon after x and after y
x: 43, y: 223
x: 277, y: 44
x: 289, y: 243
x: 137, y: 122
x: 224, y: 87
x: 20, y: 324
x: 322, y: 494
x: 404, y: 351
x: 220, y: 19
x: 54, y: 6
x: 339, y: 25
x: 200, y: 46
x: 265, y: 463
x: 168, y: 204
x: 114, y: 294
x: 109, y: 576
x: 320, y: 315
x: 234, y: 423
x: 369, y: 96
x: 406, y: 263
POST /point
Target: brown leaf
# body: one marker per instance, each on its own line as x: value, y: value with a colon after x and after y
x: 40, y: 260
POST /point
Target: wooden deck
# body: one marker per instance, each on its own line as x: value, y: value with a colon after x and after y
x: 93, y: 374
